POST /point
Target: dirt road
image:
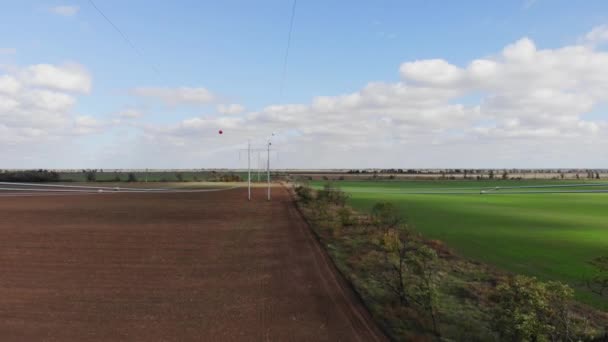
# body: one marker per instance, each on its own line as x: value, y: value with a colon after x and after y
x: 168, y: 266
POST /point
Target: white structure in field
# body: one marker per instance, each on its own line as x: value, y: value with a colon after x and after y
x: 267, y: 150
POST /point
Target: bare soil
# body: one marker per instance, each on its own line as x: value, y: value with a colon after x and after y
x: 169, y: 266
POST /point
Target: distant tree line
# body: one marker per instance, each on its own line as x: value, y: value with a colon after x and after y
x: 591, y: 174
x: 94, y: 175
x: 29, y: 176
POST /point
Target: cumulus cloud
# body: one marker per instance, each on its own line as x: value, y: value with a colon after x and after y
x: 65, y: 10
x: 524, y: 106
x: 85, y: 124
x: 524, y: 99
x: 230, y: 108
x: 130, y: 113
x: 176, y: 96
x: 598, y: 35
x: 67, y: 77
x: 9, y: 84
x: 37, y: 103
x: 431, y: 71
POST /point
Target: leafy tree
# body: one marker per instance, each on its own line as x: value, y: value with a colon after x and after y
x: 385, y: 215
x: 394, y: 276
x: 30, y: 176
x: 91, y: 175
x: 131, y: 177
x: 304, y: 193
x: 320, y: 210
x: 409, y: 272
x: 529, y: 310
x: 598, y: 282
x: 332, y: 195
x: 346, y: 217
x: 559, y: 316
x: 424, y: 289
x: 519, y: 305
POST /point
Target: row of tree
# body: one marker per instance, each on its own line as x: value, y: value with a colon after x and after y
x: 470, y: 171
x: 30, y: 176
x: 91, y: 176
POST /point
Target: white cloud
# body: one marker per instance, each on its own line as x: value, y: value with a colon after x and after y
x: 65, y: 10
x: 230, y: 108
x: 8, y: 51
x: 37, y: 104
x: 130, y: 113
x: 84, y: 125
x: 9, y: 84
x: 598, y: 35
x: 431, y: 71
x: 68, y: 77
x: 524, y: 106
x: 523, y: 100
x: 176, y: 96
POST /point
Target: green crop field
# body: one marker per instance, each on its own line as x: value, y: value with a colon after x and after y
x: 534, y: 230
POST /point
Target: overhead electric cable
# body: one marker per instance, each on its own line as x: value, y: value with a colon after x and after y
x: 124, y: 36
x: 284, y: 73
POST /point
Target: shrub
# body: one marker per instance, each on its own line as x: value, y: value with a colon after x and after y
x: 30, y: 176
x: 529, y: 310
x: 407, y: 269
x: 131, y: 177
x: 598, y: 282
x: 332, y: 195
x: 91, y: 175
x: 304, y: 193
x: 320, y: 210
x: 346, y: 217
x: 385, y: 215
x: 229, y: 178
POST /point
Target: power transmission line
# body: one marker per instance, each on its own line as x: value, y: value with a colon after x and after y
x: 124, y: 36
x: 283, y: 76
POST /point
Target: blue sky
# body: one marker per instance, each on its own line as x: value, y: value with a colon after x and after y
x: 235, y: 49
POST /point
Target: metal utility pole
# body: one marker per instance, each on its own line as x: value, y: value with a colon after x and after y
x: 259, y: 165
x: 249, y: 169
x: 268, y: 163
x: 268, y: 168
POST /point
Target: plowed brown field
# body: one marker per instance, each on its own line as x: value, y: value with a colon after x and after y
x: 169, y: 266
